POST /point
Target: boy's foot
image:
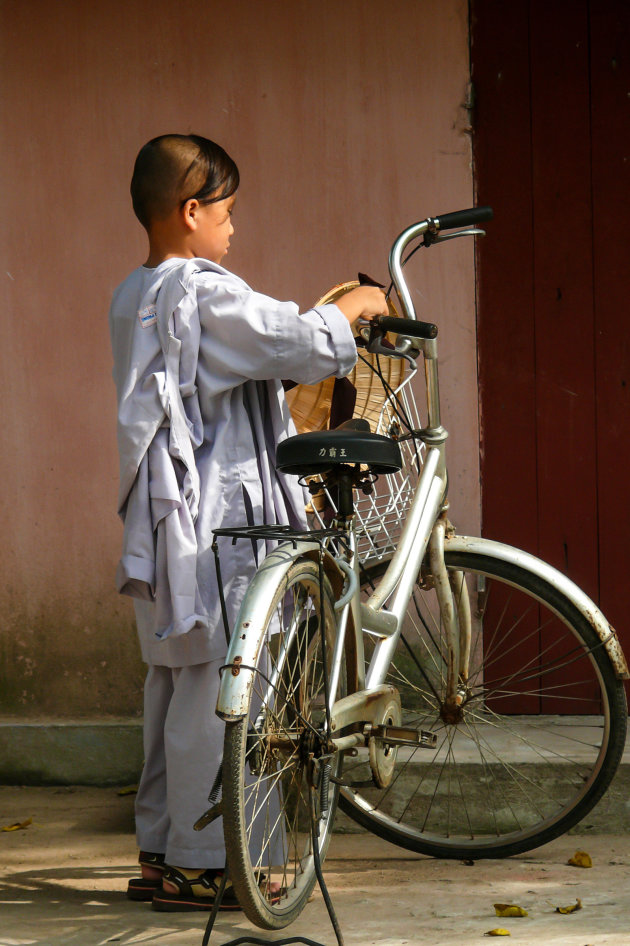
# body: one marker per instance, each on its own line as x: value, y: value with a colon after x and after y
x: 188, y: 890
x: 152, y: 868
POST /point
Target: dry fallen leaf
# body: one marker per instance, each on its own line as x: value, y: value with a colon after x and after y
x: 580, y: 859
x: 509, y: 909
x: 575, y: 906
x: 18, y: 825
x: 498, y: 932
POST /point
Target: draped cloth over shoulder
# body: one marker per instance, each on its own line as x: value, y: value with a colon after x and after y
x: 198, y: 358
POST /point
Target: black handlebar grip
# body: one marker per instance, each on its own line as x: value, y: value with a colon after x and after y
x: 389, y: 323
x: 464, y: 218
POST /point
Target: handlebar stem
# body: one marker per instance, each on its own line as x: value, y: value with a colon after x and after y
x: 434, y: 423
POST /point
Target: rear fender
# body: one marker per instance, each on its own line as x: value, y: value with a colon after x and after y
x: 248, y: 634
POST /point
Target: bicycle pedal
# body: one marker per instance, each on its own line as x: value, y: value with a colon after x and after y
x: 402, y: 736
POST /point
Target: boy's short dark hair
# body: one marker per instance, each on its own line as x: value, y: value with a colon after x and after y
x: 172, y: 169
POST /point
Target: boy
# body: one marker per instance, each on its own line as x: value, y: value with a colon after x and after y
x: 198, y: 363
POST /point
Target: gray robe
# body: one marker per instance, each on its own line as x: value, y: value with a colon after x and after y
x: 198, y: 363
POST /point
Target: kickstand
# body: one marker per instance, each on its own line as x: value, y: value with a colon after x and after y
x: 254, y: 940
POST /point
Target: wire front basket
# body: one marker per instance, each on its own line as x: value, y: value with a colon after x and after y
x: 384, y: 397
x: 381, y: 515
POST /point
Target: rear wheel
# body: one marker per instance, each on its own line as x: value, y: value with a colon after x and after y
x: 268, y: 757
x: 535, y: 740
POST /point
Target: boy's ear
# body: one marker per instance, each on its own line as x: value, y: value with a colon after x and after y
x: 190, y: 212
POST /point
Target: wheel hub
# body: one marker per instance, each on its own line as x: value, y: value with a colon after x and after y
x: 452, y: 712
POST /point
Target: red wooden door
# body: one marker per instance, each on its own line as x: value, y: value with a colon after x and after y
x: 552, y: 156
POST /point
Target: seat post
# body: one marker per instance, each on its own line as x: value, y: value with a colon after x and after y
x: 345, y: 505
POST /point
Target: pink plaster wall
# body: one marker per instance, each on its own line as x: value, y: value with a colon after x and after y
x: 347, y: 122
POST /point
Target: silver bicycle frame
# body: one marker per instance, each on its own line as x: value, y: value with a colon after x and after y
x: 383, y: 613
x: 420, y: 531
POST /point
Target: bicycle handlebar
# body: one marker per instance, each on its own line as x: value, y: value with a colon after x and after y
x: 463, y: 218
x: 429, y: 230
x: 412, y: 327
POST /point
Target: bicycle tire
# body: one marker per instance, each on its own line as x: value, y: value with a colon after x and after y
x: 514, y: 771
x: 266, y: 793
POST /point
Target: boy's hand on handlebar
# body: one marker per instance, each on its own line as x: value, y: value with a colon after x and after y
x: 365, y: 302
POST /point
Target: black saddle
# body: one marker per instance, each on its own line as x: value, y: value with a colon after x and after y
x: 351, y: 443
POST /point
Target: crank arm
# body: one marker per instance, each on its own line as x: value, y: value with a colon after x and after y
x: 403, y: 736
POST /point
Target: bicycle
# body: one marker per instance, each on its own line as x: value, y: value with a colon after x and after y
x: 418, y: 679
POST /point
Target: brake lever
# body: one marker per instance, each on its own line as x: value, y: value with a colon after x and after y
x: 473, y: 231
x: 375, y: 342
x: 433, y: 236
x: 372, y: 336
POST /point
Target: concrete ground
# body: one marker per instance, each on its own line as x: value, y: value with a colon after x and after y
x: 63, y: 877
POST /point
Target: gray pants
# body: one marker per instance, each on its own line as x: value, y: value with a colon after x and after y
x: 183, y: 744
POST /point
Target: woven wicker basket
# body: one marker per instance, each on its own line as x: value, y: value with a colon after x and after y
x: 310, y: 403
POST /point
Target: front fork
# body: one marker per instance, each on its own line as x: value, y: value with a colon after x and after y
x: 454, y: 604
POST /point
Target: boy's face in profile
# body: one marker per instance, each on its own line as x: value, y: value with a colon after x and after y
x: 211, y: 237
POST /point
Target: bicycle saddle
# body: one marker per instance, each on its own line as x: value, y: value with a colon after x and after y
x: 352, y: 442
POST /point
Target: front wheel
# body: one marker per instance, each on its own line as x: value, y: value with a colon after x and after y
x: 537, y: 736
x: 274, y: 756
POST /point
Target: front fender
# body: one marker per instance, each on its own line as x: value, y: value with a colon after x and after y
x: 497, y: 550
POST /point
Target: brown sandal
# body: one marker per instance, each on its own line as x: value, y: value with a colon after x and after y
x: 193, y: 893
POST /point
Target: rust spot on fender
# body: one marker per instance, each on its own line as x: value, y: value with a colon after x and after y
x: 616, y: 655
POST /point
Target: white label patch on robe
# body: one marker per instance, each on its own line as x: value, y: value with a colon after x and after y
x: 148, y: 316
